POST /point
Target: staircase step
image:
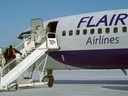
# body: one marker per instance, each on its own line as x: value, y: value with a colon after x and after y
x: 29, y: 52
x: 33, y: 48
x: 23, y: 57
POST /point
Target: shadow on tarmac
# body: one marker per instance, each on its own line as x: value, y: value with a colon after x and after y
x: 118, y: 84
x: 124, y: 88
x: 91, y: 82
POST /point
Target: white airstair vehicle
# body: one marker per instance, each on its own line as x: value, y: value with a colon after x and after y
x: 35, y: 48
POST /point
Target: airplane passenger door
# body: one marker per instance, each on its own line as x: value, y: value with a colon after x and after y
x: 37, y: 30
x: 52, y: 41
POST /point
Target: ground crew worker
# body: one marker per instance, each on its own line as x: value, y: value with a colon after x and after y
x: 11, y: 56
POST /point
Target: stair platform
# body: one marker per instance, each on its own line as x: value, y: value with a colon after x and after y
x: 32, y: 84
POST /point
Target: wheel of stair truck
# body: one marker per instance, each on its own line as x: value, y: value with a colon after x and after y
x: 49, y: 79
x: 14, y: 87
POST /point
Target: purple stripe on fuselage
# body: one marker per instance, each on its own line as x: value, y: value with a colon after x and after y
x: 94, y: 59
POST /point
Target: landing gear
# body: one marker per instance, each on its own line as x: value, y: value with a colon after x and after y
x: 49, y: 78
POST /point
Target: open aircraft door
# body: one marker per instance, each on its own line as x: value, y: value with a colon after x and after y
x: 37, y: 30
x: 52, y: 41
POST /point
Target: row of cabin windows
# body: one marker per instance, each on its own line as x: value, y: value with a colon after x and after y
x: 92, y: 31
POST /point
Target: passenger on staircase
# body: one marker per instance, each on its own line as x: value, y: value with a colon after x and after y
x: 12, y: 56
x: 6, y: 55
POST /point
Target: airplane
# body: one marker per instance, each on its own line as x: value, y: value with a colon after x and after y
x: 96, y: 40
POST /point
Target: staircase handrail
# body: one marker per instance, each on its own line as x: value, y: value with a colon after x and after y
x: 15, y: 58
x: 17, y: 47
x: 23, y: 41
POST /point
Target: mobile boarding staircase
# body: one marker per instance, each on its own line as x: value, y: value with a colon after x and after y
x: 30, y: 56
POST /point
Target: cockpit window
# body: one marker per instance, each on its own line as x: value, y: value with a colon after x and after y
x: 24, y: 35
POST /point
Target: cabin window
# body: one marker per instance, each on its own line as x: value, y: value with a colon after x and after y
x: 77, y: 32
x: 107, y: 30
x: 115, y: 30
x: 64, y: 33
x: 124, y: 29
x: 70, y: 32
x: 92, y: 31
x: 99, y: 31
x: 85, y: 31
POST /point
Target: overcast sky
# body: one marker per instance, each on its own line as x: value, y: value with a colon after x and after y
x: 15, y: 15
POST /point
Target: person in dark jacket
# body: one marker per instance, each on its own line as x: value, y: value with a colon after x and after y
x: 12, y: 56
x: 6, y: 55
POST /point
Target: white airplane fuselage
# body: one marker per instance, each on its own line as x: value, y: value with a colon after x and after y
x: 97, y: 40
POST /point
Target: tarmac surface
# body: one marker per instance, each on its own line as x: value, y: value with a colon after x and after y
x: 79, y: 83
